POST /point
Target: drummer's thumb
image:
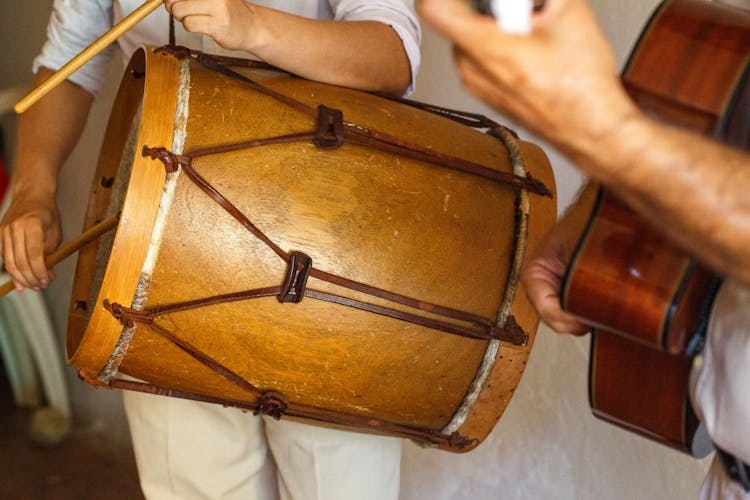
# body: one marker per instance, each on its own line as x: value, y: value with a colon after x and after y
x: 52, y: 240
x: 53, y: 233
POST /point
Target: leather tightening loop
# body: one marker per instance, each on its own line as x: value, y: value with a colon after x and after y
x: 272, y: 404
x: 170, y: 160
x: 127, y: 316
x: 298, y: 270
x: 332, y: 131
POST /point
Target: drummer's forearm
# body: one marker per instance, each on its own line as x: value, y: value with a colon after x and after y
x: 47, y: 133
x: 365, y: 55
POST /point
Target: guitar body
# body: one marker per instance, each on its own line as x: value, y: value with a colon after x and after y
x: 646, y: 298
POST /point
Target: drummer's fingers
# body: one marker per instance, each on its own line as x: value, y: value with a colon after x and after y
x: 23, y: 265
x: 168, y: 5
x: 35, y: 251
x: 26, y: 239
x: 178, y: 8
x: 182, y: 9
x: 9, y: 257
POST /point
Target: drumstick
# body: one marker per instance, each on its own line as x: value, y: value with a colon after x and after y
x: 69, y: 248
x: 88, y: 53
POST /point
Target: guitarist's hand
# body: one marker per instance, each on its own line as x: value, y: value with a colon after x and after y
x: 542, y: 277
x: 543, y: 273
x: 560, y: 81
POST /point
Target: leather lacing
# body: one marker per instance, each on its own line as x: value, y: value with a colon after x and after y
x: 332, y: 131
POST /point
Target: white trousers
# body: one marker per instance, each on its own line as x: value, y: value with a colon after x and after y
x: 188, y: 450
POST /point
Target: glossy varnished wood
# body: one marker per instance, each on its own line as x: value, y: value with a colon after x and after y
x: 641, y: 389
x: 643, y: 294
x: 688, y: 65
x: 624, y: 275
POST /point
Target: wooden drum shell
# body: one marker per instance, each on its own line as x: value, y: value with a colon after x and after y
x: 399, y: 224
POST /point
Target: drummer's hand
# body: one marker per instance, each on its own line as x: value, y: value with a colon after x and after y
x: 542, y: 278
x: 30, y: 230
x: 233, y: 24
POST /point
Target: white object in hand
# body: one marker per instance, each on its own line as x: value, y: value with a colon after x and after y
x: 513, y: 16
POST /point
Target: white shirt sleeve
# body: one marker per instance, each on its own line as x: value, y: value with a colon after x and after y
x: 73, y: 26
x: 721, y: 378
x: 398, y: 14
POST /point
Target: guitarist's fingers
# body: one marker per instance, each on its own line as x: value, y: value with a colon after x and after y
x: 474, y: 32
x: 568, y: 325
x: 454, y: 19
x: 542, y: 277
x: 485, y: 86
x: 560, y: 32
x: 542, y: 280
x: 497, y: 67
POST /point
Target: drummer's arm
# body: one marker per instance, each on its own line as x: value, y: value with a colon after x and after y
x: 366, y: 55
x: 47, y: 133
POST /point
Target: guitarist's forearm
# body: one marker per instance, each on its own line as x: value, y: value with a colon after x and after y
x: 694, y: 189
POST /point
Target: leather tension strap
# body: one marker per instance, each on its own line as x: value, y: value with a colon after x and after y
x: 331, y: 131
x: 481, y: 328
x: 275, y: 405
x: 373, y: 138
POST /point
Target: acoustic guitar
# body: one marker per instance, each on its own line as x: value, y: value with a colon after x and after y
x: 647, y: 300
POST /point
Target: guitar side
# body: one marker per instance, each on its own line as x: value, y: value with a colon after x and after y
x: 646, y: 298
x: 616, y: 282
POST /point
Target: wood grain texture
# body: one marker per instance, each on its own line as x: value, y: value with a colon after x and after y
x: 644, y: 295
x: 399, y: 224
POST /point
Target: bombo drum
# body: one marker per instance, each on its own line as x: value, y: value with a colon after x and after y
x: 309, y: 252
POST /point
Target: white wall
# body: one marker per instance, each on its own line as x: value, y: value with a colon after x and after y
x: 21, y: 35
x: 547, y: 445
